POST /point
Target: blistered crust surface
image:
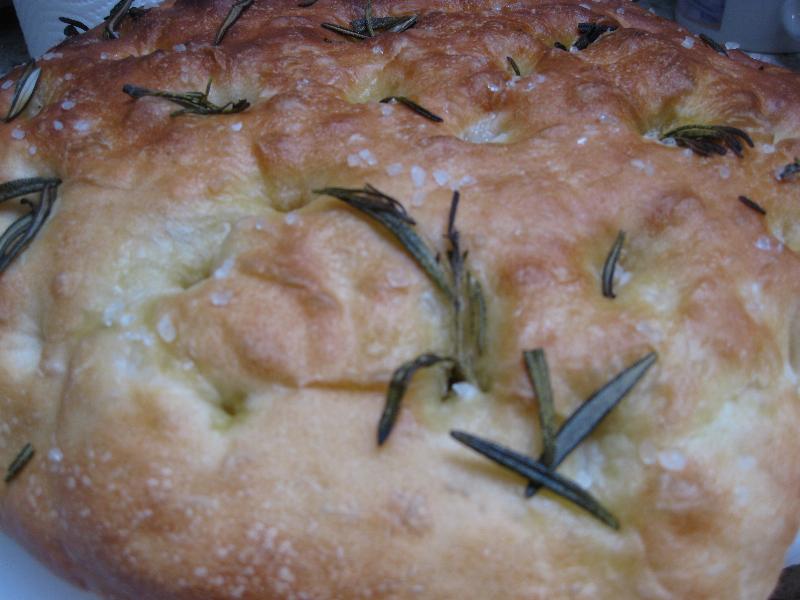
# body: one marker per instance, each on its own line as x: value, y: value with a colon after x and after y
x: 198, y: 346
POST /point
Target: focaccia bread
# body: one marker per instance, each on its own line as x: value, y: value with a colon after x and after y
x: 197, y: 345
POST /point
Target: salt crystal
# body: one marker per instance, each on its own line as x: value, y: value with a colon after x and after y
x: 32, y: 150
x: 104, y: 56
x: 688, y: 42
x: 291, y: 218
x: 724, y: 171
x: 672, y: 460
x: 582, y: 141
x: 732, y: 45
x: 764, y: 243
x: 356, y: 138
x: 18, y: 134
x: 353, y: 160
x: 58, y: 125
x: 179, y: 47
x: 368, y: 157
x: 81, y: 126
x: 767, y: 148
x: 387, y: 109
x: 55, y: 455
x: 418, y: 175
x: 394, y: 169
x: 643, y: 166
x: 620, y: 11
x: 221, y: 298
x: 377, y: 50
x: 493, y: 87
x: 52, y: 55
x: 225, y: 268
x: 69, y: 77
x: 166, y: 329
x: 464, y: 390
x: 236, y: 126
x: 441, y: 177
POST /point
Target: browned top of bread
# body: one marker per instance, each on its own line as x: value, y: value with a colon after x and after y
x: 198, y: 346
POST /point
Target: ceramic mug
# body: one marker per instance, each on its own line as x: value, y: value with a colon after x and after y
x: 757, y: 26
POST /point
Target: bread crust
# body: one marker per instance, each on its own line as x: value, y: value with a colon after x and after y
x: 198, y: 346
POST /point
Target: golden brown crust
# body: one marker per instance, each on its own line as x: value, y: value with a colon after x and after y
x: 198, y: 346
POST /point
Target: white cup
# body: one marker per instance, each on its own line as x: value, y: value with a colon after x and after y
x: 757, y: 26
x: 41, y: 27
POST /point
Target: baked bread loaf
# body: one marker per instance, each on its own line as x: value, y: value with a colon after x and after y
x: 197, y: 346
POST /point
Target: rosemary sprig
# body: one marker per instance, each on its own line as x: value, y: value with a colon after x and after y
x: 23, y: 458
x: 423, y: 112
x: 713, y: 44
x: 388, y: 24
x: 391, y: 214
x: 706, y: 140
x: 22, y: 231
x: 534, y: 471
x: 73, y: 25
x: 21, y: 187
x: 118, y: 12
x: 753, y: 205
x: 539, y: 374
x: 590, y: 32
x: 514, y: 67
x: 591, y: 413
x: 397, y: 389
x: 610, y: 265
x: 238, y: 7
x: 790, y: 170
x: 23, y: 90
x: 344, y: 31
x: 192, y: 102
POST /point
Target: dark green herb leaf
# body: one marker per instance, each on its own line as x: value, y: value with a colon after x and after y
x: 750, y: 204
x: 193, y: 102
x: 238, y: 7
x: 560, y: 46
x: 73, y: 25
x: 391, y: 214
x: 592, y: 412
x: 712, y: 44
x: 534, y: 471
x: 116, y: 15
x: 514, y: 67
x: 590, y: 32
x: 23, y: 458
x: 397, y: 389
x: 423, y: 112
x: 23, y: 90
x: 790, y: 170
x: 710, y: 139
x: 477, y: 314
x: 390, y: 24
x: 368, y: 19
x: 22, y: 231
x: 344, y: 31
x: 611, y: 264
x: 539, y: 374
x: 20, y: 187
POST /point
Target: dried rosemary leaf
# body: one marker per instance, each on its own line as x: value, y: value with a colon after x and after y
x: 423, y: 112
x: 397, y: 389
x: 591, y: 413
x: 534, y: 471
x: 406, y: 23
x: 790, y: 170
x: 238, y: 7
x: 73, y: 26
x: 610, y: 265
x: 391, y: 214
x: 344, y: 31
x: 390, y: 24
x: 20, y: 187
x: 590, y: 32
x: 192, y: 102
x: 706, y: 140
x: 23, y: 458
x: 514, y: 67
x: 751, y: 204
x: 539, y: 374
x: 23, y: 91
x: 368, y: 19
x: 713, y: 44
x: 113, y: 20
x: 22, y: 231
x: 560, y: 46
x: 477, y: 314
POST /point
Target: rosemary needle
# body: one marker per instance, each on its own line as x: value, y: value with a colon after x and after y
x: 610, y: 265
x: 423, y: 112
x: 23, y: 91
x: 238, y: 7
x: 20, y: 461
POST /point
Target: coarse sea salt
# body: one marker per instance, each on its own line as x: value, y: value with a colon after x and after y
x: 688, y: 42
x: 418, y: 175
x: 18, y: 134
x: 394, y: 169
